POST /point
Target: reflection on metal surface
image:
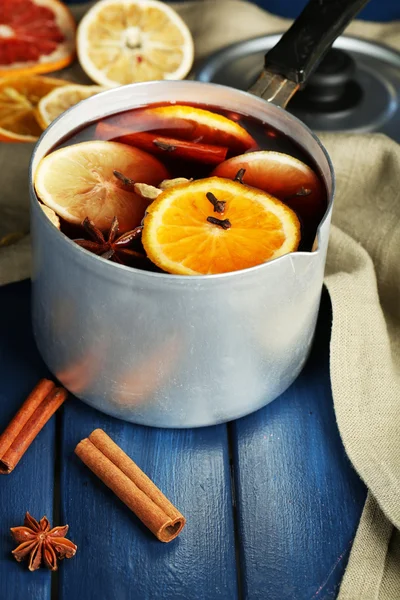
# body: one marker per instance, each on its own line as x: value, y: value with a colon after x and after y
x: 274, y: 88
x: 139, y: 381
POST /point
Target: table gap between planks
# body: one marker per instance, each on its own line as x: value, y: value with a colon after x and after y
x: 271, y: 501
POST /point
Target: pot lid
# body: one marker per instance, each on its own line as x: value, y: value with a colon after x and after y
x: 355, y: 88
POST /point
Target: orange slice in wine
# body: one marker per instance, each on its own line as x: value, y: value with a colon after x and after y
x: 283, y: 176
x: 215, y: 225
x: 182, y: 122
x: 78, y: 181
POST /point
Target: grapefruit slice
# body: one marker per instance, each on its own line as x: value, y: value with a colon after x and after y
x: 215, y: 225
x: 126, y: 41
x: 60, y: 99
x: 19, y: 97
x: 182, y: 122
x: 283, y: 176
x: 78, y: 181
x: 36, y: 36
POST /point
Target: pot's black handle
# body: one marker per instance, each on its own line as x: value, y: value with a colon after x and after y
x: 303, y: 46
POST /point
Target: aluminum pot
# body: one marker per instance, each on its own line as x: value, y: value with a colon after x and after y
x: 177, y: 351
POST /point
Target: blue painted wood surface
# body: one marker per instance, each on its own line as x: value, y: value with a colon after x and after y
x: 124, y: 559
x: 30, y: 486
x: 298, y: 499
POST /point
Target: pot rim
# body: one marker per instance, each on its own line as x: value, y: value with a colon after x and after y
x: 89, y: 256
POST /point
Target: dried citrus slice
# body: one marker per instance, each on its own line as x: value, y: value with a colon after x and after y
x: 78, y: 181
x: 185, y: 234
x: 60, y: 99
x: 19, y: 97
x: 36, y: 36
x: 281, y: 175
x: 125, y: 41
x: 182, y: 122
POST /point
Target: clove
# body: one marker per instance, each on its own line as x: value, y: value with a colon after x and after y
x: 223, y: 223
x: 164, y: 146
x: 239, y: 175
x: 121, y: 177
x: 219, y: 205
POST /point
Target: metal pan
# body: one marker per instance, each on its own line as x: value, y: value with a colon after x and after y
x: 175, y: 351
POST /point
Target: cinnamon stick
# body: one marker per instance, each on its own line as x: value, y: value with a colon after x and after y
x: 118, y: 471
x: 161, y: 144
x: 38, y: 408
x: 208, y: 154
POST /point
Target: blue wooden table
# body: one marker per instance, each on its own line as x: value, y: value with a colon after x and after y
x: 271, y: 501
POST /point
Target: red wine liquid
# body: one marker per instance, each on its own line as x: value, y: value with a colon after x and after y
x: 265, y: 137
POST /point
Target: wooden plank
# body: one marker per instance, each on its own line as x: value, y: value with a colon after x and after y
x: 117, y: 556
x: 30, y: 485
x: 299, y: 500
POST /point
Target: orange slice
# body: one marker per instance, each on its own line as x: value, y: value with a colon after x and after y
x: 60, y: 99
x: 125, y: 41
x: 78, y: 181
x: 182, y: 122
x: 283, y: 176
x: 181, y: 235
x: 36, y: 36
x: 19, y: 97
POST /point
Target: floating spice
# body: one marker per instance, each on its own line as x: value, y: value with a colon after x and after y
x: 112, y: 247
x: 174, y: 148
x: 219, y: 205
x: 150, y: 192
x: 239, y: 175
x: 123, y: 179
x: 169, y: 183
x: 164, y: 146
x: 301, y: 192
x: 224, y: 223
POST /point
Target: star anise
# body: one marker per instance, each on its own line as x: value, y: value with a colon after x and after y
x: 112, y: 246
x: 40, y: 544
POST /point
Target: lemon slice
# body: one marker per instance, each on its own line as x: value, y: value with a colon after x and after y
x: 78, y: 181
x: 127, y: 41
x: 215, y: 225
x: 56, y: 102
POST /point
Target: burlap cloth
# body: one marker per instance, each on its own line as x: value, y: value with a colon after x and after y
x: 362, y: 276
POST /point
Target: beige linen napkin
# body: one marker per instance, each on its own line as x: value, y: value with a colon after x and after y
x: 363, y: 279
x: 362, y: 276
